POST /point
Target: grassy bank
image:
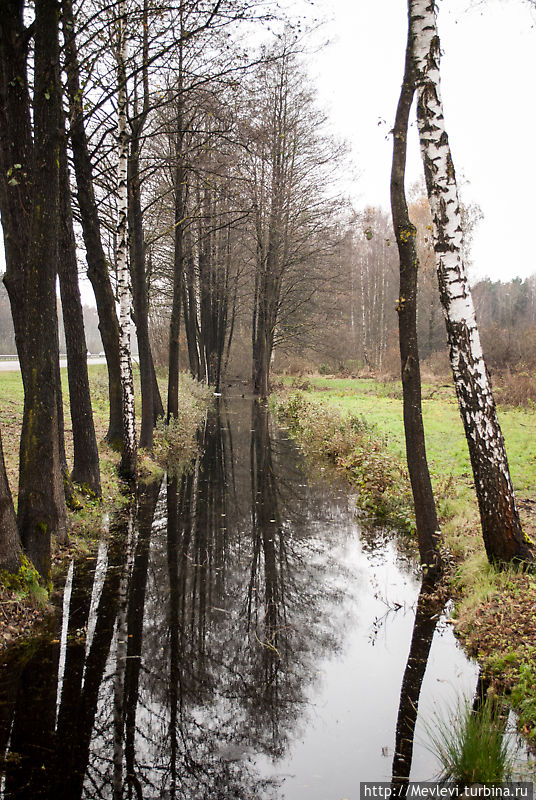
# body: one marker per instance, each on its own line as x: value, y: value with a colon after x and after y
x: 357, y: 425
x: 23, y: 606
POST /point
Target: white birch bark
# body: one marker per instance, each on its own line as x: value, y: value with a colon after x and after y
x: 129, y: 454
x: 121, y: 660
x: 501, y: 527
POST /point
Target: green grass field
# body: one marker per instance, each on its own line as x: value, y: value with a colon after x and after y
x: 381, y: 405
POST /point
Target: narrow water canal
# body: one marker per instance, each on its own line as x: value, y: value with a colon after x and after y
x: 237, y: 637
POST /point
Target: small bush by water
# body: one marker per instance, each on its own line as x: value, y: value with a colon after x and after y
x: 472, y: 745
x: 175, y: 443
x: 26, y: 584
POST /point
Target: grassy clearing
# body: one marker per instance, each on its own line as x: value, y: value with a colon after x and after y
x: 173, y: 448
x: 495, y: 611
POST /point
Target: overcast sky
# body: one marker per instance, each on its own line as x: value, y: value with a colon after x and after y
x: 488, y: 72
x: 488, y: 75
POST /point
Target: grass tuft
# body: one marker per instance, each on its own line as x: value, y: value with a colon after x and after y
x: 472, y: 745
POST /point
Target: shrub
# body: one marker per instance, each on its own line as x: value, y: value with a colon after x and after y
x: 472, y: 746
x: 175, y: 443
x: 516, y: 389
x: 25, y: 584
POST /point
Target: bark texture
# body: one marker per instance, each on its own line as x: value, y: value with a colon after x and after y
x: 501, y: 527
x: 140, y: 299
x: 10, y: 549
x: 428, y: 532
x: 30, y: 218
x: 86, y: 470
x: 129, y: 451
x: 97, y: 271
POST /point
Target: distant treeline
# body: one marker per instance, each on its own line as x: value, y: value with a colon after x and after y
x: 7, y: 334
x: 359, y: 328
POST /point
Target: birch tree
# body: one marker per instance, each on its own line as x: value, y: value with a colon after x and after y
x: 129, y: 452
x: 501, y: 527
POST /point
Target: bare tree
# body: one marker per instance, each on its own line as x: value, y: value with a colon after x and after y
x: 98, y: 272
x: 86, y: 470
x: 288, y: 178
x: 428, y: 532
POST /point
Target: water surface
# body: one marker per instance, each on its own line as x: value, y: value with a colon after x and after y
x: 238, y: 636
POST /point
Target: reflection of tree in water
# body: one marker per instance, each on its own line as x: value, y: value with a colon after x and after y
x: 427, y: 615
x: 246, y: 615
x: 54, y: 719
x: 204, y: 627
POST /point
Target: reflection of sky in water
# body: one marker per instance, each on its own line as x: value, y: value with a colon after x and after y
x: 352, y: 719
x: 237, y: 695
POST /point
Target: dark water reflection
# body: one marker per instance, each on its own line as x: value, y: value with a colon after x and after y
x: 233, y: 639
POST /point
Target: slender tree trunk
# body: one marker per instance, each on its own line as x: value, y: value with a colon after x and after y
x: 501, y: 527
x: 86, y: 470
x: 178, y: 258
x: 423, y: 497
x: 151, y: 406
x: 158, y: 406
x: 129, y: 452
x: 190, y: 317
x: 139, y: 294
x: 426, y: 618
x: 10, y: 549
x: 96, y: 260
x: 175, y: 317
x: 68, y: 488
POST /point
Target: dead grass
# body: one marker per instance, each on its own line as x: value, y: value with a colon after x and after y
x: 517, y: 389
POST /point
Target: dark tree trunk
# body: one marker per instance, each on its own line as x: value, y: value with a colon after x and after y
x: 139, y: 294
x: 86, y: 470
x: 214, y: 268
x: 97, y: 265
x: 175, y: 318
x: 190, y: 318
x: 31, y: 266
x: 262, y: 352
x: 68, y: 487
x: 10, y: 550
x: 426, y: 618
x: 151, y: 402
x: 158, y: 406
x: 428, y: 533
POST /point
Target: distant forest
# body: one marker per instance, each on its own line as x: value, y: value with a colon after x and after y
x: 356, y: 325
x: 7, y: 334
